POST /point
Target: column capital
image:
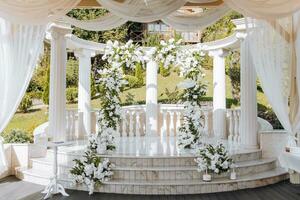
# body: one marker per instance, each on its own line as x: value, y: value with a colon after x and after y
x: 82, y: 52
x: 218, y: 52
x: 241, y: 35
x: 56, y: 30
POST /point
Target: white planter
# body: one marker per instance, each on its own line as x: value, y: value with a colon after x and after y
x: 206, y: 177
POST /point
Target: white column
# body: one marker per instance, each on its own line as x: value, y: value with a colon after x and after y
x: 151, y: 99
x: 84, y: 88
x: 219, y: 93
x: 57, y: 95
x: 248, y: 118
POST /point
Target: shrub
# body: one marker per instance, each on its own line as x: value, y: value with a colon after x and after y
x: 133, y: 82
x: 72, y: 73
x: 17, y: 136
x: 164, y: 71
x: 71, y: 94
x: 269, y: 115
x: 25, y: 104
x: 139, y: 74
x: 46, y: 88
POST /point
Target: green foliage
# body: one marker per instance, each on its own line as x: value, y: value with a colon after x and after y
x: 25, y: 104
x: 93, y: 86
x: 129, y: 99
x: 17, y: 136
x: 132, y: 81
x: 139, y: 74
x: 172, y: 96
x: 119, y: 33
x: 71, y: 94
x: 221, y: 29
x: 72, y: 74
x: 163, y: 70
x: 151, y: 40
x: 233, y: 71
x: 268, y: 114
x: 47, y: 88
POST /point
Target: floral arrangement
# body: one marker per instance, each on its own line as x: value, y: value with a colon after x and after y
x: 193, y: 88
x: 91, y: 170
x: 213, y: 158
x: 110, y: 83
x: 166, y: 52
x: 118, y: 54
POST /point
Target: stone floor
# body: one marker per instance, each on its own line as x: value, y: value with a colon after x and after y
x: 12, y: 189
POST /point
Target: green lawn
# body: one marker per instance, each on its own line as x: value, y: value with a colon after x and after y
x: 28, y: 121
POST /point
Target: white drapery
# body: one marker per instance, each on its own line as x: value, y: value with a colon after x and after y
x: 142, y: 11
x: 35, y: 11
x: 102, y: 23
x: 184, y: 22
x: 267, y: 9
x: 272, y: 49
x: 20, y: 47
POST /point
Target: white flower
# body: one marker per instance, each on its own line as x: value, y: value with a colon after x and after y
x: 187, y: 84
x: 89, y: 169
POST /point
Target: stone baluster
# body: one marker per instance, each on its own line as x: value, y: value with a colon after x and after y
x: 164, y: 126
x: 131, y: 114
x: 172, y: 125
x: 236, y: 128
x: 124, y: 124
x: 205, y: 122
x: 178, y: 121
x: 231, y: 126
x: 237, y: 122
x: 137, y: 124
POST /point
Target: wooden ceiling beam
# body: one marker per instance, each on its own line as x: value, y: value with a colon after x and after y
x: 95, y: 4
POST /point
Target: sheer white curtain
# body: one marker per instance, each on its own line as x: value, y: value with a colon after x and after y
x: 266, y: 9
x: 20, y: 47
x: 142, y: 11
x: 272, y: 49
x: 184, y: 22
x: 106, y: 22
x: 35, y: 11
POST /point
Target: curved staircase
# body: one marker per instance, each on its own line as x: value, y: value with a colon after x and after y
x: 160, y: 174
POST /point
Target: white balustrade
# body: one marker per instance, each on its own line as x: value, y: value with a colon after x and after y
x: 178, y: 121
x: 137, y: 124
x: 133, y: 122
x: 131, y: 133
x: 164, y: 126
x: 71, y: 119
x: 234, y: 126
x: 172, y: 125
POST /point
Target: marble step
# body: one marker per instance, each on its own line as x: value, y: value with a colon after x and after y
x: 186, y: 186
x: 153, y: 161
x: 163, y: 173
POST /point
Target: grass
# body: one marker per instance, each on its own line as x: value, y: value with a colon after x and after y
x: 28, y: 121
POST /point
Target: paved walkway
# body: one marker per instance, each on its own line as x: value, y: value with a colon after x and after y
x: 12, y: 189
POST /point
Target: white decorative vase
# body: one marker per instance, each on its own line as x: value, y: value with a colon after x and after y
x: 206, y: 177
x: 233, y: 175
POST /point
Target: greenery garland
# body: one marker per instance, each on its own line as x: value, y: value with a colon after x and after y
x: 194, y: 88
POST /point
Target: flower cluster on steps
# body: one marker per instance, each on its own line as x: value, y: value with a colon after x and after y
x: 193, y: 89
x: 213, y: 159
x: 91, y: 169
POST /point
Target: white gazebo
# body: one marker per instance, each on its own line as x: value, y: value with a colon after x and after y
x: 147, y: 158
